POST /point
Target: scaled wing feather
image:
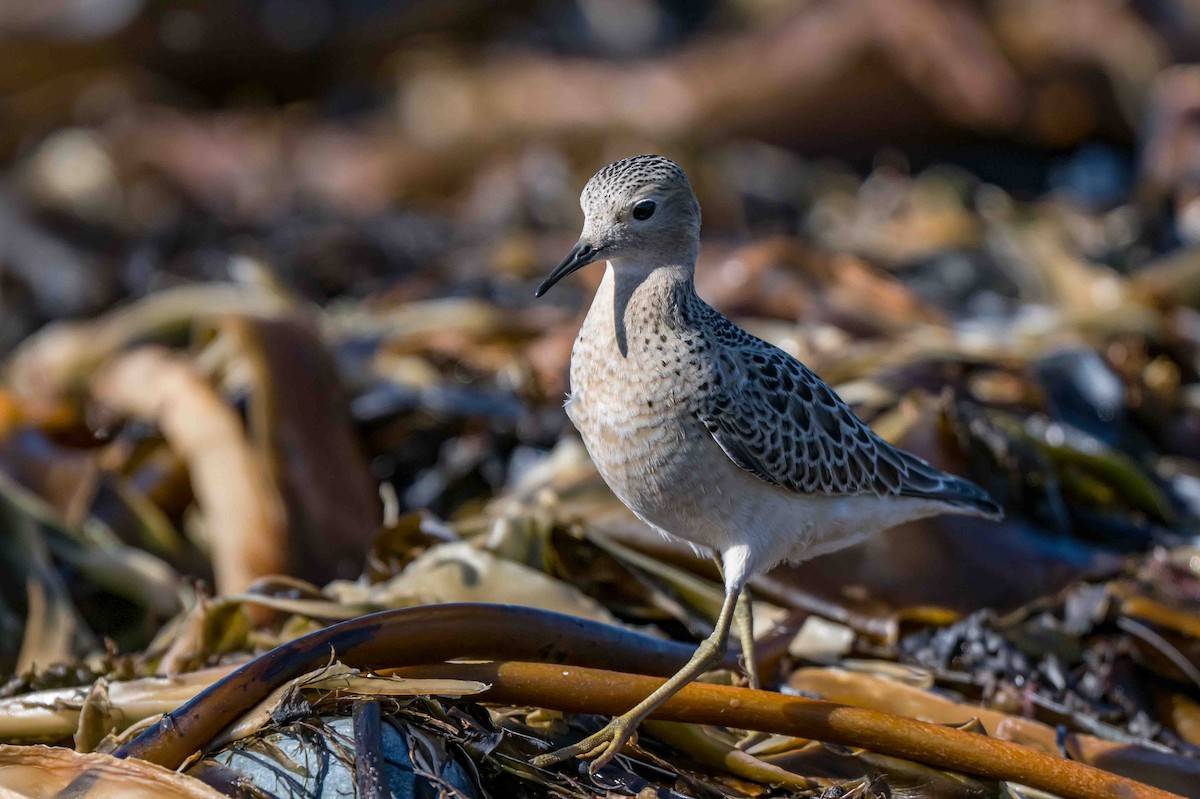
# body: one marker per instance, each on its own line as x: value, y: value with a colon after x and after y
x: 773, y: 417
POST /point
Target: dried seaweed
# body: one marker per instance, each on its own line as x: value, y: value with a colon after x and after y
x: 273, y: 363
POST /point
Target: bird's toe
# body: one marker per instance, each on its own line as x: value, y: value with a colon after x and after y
x: 600, y: 747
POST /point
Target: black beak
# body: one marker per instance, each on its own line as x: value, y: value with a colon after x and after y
x: 580, y: 256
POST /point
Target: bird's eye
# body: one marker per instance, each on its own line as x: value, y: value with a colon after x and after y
x: 644, y: 210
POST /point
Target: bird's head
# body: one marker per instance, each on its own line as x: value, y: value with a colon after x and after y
x: 638, y: 211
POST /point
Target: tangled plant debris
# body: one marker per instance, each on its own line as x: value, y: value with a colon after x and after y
x: 272, y: 363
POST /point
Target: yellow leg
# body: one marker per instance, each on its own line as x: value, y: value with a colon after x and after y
x: 744, y: 619
x: 743, y: 616
x: 605, y: 744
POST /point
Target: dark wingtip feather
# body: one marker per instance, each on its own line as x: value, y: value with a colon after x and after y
x: 925, y: 481
x: 965, y: 496
x: 986, y: 506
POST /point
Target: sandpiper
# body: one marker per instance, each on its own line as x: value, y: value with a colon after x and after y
x: 709, y: 434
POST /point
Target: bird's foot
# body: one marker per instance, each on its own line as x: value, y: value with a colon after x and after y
x: 600, y: 747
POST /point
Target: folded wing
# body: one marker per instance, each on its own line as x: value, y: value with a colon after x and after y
x: 777, y: 420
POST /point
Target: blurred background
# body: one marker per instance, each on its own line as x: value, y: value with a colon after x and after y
x: 266, y: 278
x: 356, y: 145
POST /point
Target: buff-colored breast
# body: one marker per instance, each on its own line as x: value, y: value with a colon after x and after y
x: 634, y: 390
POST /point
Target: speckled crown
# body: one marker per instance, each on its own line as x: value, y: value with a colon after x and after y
x: 629, y: 174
